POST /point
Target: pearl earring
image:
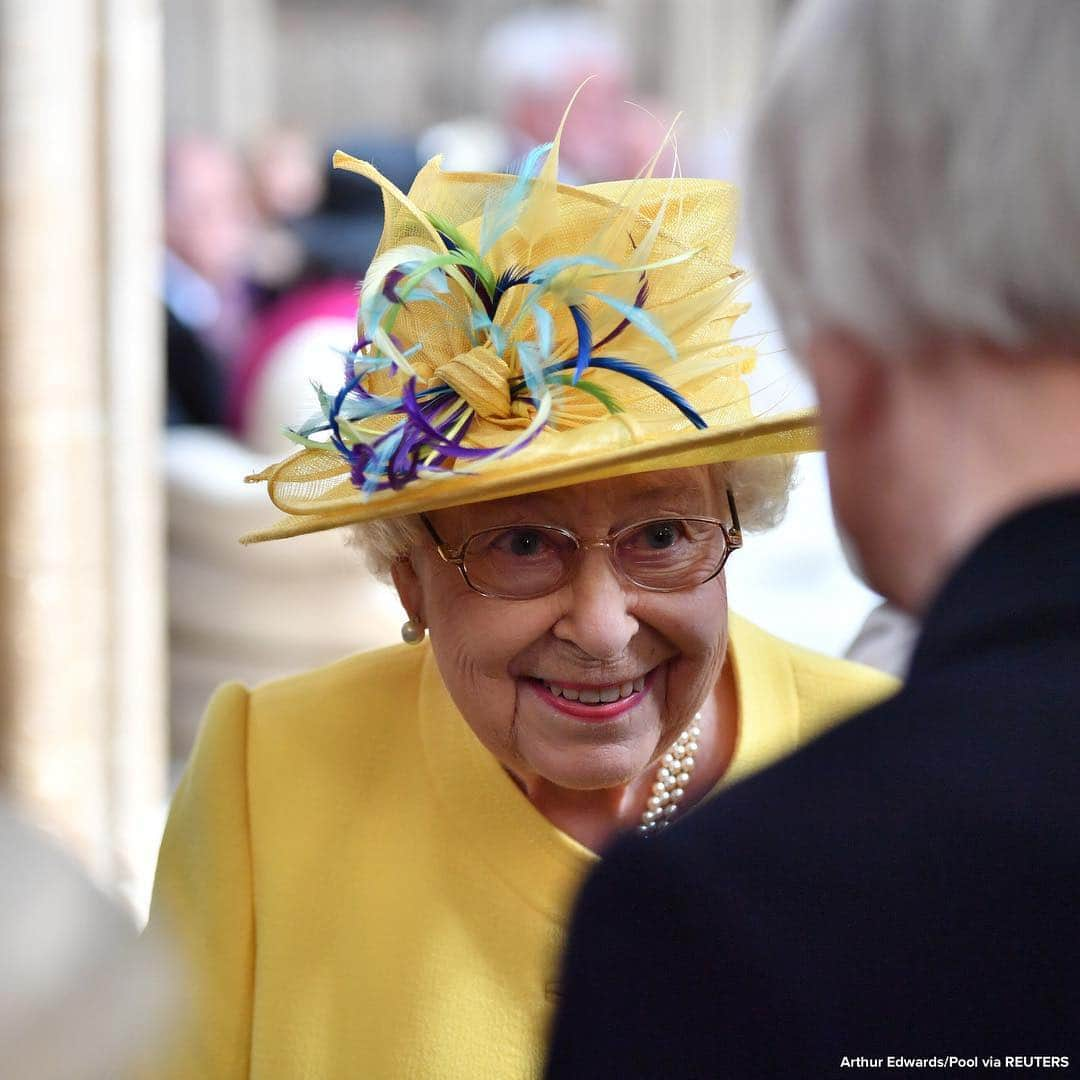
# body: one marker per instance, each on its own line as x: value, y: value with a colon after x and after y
x: 412, y: 632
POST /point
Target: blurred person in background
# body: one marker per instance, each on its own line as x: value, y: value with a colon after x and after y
x: 80, y: 999
x: 225, y: 603
x: 370, y: 865
x: 286, y: 176
x: 908, y: 884
x: 209, y: 232
x: 530, y: 64
x: 299, y: 334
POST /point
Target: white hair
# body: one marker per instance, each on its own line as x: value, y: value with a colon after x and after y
x: 760, y: 486
x: 915, y: 172
x: 534, y: 51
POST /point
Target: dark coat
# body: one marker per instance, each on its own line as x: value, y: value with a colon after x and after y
x: 909, y: 884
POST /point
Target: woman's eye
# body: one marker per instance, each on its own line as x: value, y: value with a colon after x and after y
x: 523, y: 542
x: 661, y: 534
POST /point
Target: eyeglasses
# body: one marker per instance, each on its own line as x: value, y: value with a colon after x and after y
x: 522, y: 562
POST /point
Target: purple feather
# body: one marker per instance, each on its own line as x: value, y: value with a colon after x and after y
x: 390, y: 284
x: 437, y: 439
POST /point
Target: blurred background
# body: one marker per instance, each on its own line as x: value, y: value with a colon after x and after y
x: 178, y: 262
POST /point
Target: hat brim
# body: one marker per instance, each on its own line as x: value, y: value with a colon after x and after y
x: 791, y: 433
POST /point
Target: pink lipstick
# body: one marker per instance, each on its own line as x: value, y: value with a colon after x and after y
x: 598, y: 713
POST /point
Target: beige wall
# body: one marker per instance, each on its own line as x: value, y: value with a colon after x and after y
x: 80, y: 363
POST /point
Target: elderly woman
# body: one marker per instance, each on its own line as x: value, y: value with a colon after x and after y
x: 545, y: 439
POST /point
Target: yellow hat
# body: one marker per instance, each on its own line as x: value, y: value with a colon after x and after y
x: 517, y: 334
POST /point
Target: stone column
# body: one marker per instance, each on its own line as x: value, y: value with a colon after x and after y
x: 81, y: 647
x: 133, y: 363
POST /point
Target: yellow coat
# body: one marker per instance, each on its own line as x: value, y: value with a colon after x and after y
x: 361, y: 891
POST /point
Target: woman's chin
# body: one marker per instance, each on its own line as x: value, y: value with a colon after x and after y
x: 592, y: 769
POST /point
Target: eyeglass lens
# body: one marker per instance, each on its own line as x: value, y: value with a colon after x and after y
x: 531, y: 560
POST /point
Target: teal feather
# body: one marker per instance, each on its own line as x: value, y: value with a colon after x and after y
x: 546, y: 271
x: 503, y: 210
x: 639, y: 318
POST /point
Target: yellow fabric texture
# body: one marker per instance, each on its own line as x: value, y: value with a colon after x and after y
x: 677, y: 234
x: 360, y: 889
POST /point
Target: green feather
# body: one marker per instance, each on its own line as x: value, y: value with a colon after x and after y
x: 302, y: 440
x: 595, y: 389
x: 470, y: 257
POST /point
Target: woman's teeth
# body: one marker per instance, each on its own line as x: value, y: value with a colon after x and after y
x: 597, y: 695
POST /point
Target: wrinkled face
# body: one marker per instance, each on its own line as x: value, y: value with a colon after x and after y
x: 508, y: 663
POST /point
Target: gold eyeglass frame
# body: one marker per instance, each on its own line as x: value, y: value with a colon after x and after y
x: 733, y: 540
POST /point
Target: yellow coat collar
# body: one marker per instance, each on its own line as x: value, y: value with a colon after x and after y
x: 535, y: 858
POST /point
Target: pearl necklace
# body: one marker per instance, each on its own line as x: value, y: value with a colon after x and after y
x: 672, y: 778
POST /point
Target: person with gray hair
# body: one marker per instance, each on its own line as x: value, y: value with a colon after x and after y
x: 532, y: 62
x: 902, y: 893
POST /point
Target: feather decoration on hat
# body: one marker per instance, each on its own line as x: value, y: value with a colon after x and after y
x: 480, y: 330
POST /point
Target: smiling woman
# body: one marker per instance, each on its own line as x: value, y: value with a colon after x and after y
x: 594, y: 623
x: 538, y: 666
x: 544, y: 439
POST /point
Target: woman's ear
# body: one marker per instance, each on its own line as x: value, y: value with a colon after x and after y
x: 410, y: 591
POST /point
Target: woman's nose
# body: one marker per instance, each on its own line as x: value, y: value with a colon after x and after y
x: 597, y: 616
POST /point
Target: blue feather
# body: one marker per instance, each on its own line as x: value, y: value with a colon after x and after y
x: 642, y: 375
x: 584, y: 337
x: 510, y: 278
x: 376, y: 468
